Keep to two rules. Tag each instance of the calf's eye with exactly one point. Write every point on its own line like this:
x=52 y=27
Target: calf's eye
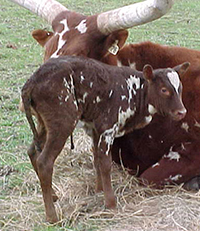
x=165 y=91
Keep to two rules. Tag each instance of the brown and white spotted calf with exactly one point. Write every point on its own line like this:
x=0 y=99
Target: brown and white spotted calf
x=110 y=101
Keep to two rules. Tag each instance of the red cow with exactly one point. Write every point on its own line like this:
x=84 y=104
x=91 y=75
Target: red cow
x=83 y=89
x=165 y=152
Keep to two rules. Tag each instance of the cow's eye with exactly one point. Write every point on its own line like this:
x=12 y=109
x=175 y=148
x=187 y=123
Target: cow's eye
x=165 y=91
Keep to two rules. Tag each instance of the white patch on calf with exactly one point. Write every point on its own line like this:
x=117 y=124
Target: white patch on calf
x=110 y=94
x=82 y=28
x=151 y=109
x=173 y=155
x=82 y=78
x=123 y=97
x=61 y=42
x=84 y=97
x=185 y=126
x=124 y=115
x=148 y=119
x=174 y=79
x=91 y=84
x=108 y=136
x=131 y=81
x=66 y=98
x=98 y=99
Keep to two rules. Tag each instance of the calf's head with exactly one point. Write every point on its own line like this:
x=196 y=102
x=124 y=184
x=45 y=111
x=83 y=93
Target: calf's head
x=165 y=90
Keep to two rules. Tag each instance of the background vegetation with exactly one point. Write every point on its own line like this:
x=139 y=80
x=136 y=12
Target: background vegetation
x=21 y=205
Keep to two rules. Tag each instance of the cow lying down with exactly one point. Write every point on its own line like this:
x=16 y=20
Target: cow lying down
x=111 y=101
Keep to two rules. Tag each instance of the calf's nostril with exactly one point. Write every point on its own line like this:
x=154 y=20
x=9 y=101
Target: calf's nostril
x=181 y=114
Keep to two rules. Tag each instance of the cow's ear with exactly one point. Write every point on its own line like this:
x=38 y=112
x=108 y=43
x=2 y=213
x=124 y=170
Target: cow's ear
x=115 y=41
x=182 y=68
x=148 y=72
x=42 y=36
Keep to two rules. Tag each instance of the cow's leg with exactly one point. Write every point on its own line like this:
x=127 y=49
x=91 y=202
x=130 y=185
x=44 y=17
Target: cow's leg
x=103 y=163
x=176 y=167
x=33 y=154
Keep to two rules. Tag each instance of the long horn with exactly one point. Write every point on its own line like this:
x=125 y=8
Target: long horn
x=132 y=15
x=47 y=9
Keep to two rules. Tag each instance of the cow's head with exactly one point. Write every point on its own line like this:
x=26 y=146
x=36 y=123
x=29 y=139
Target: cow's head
x=165 y=90
x=94 y=36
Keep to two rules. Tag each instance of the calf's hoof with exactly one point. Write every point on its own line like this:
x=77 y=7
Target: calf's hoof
x=111 y=204
x=52 y=219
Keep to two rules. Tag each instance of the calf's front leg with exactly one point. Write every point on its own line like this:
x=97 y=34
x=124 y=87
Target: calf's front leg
x=103 y=163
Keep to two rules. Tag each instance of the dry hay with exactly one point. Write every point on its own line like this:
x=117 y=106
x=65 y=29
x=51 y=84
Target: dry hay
x=139 y=208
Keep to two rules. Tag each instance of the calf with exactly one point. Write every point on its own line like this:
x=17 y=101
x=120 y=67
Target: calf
x=110 y=101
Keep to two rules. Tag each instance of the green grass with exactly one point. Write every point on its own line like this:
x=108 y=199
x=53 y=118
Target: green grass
x=179 y=27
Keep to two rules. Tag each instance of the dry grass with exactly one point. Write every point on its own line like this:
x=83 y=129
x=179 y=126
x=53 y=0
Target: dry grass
x=139 y=208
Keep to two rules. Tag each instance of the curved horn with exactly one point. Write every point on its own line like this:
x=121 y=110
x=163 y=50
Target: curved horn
x=132 y=15
x=47 y=9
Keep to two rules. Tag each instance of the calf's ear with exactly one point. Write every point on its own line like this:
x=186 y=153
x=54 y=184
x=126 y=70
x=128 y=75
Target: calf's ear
x=148 y=72
x=182 y=68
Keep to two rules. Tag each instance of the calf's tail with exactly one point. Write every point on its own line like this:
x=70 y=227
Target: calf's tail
x=26 y=99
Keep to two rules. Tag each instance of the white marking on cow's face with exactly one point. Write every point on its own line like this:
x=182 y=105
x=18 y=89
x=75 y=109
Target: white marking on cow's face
x=61 y=42
x=174 y=79
x=155 y=165
x=150 y=137
x=151 y=109
x=185 y=126
x=82 y=28
x=173 y=155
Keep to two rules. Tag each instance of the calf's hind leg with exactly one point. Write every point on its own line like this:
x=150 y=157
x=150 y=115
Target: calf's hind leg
x=45 y=161
x=34 y=153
